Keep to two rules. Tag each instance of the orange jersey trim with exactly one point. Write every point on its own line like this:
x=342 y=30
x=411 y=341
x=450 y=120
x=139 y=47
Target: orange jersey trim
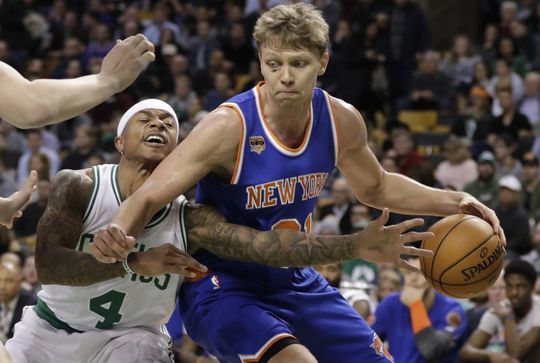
x=265 y=348
x=271 y=132
x=240 y=150
x=336 y=126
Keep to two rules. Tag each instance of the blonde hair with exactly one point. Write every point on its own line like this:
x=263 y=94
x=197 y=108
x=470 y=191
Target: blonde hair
x=293 y=26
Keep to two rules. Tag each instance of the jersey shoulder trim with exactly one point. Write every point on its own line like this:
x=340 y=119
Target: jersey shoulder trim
x=241 y=144
x=93 y=195
x=335 y=128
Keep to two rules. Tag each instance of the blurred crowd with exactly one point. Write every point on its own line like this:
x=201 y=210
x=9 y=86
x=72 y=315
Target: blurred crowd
x=462 y=118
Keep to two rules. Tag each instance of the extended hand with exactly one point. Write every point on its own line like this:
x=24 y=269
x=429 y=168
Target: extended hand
x=471 y=205
x=10 y=208
x=127 y=59
x=387 y=243
x=163 y=259
x=112 y=244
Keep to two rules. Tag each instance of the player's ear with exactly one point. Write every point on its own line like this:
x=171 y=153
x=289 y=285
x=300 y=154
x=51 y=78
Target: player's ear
x=324 y=63
x=119 y=144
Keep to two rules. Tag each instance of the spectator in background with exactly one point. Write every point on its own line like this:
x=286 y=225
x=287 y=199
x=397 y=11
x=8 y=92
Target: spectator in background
x=40 y=163
x=201 y=45
x=517 y=320
x=408 y=37
x=341 y=205
x=100 y=43
x=459 y=63
x=183 y=96
x=488 y=50
x=221 y=92
x=510 y=122
x=485 y=188
x=482 y=302
x=531 y=185
x=430 y=89
x=475 y=124
x=8 y=183
x=504 y=78
x=30 y=279
x=84 y=145
x=524 y=42
x=35 y=145
x=508 y=51
x=458 y=169
x=504 y=146
x=25 y=226
x=529 y=105
x=481 y=75
x=533 y=257
x=388 y=282
x=403 y=151
x=514 y=218
x=12 y=299
x=419 y=323
x=238 y=49
x=160 y=20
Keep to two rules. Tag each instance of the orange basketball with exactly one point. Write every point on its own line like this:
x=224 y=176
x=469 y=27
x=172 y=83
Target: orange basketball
x=467 y=256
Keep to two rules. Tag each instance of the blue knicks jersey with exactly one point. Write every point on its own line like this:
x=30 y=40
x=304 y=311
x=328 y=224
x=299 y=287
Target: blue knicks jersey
x=273 y=186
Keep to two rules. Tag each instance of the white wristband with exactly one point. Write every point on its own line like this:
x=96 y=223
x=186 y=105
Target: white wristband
x=126 y=267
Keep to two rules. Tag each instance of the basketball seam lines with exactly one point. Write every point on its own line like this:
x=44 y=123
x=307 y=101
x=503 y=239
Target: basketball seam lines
x=442 y=241
x=455 y=263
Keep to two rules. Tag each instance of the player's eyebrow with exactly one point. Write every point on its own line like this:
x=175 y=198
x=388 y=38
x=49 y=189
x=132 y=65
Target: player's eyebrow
x=163 y=115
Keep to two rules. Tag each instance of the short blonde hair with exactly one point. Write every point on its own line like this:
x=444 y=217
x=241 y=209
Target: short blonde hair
x=293 y=26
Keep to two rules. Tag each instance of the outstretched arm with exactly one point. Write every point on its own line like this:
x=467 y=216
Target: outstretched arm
x=374 y=186
x=208 y=229
x=37 y=103
x=59 y=229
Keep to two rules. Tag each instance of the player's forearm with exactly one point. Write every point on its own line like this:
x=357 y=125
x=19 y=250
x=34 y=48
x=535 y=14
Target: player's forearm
x=512 y=339
x=406 y=196
x=63 y=99
x=472 y=354
x=278 y=248
x=73 y=268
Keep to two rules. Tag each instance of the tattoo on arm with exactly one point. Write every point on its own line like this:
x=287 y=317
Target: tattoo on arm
x=58 y=232
x=208 y=229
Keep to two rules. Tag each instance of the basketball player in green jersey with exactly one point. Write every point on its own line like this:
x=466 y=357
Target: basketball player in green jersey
x=94 y=312
x=28 y=104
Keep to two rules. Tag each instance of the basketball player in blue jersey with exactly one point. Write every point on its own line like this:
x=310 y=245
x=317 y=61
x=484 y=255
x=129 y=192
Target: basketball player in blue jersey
x=261 y=159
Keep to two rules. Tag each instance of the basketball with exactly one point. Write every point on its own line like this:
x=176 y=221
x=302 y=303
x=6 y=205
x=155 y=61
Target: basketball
x=467 y=256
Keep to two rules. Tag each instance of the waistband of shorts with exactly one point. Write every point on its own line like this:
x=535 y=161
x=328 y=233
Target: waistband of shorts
x=45 y=313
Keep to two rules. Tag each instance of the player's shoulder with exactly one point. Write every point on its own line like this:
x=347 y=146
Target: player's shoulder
x=348 y=119
x=74 y=181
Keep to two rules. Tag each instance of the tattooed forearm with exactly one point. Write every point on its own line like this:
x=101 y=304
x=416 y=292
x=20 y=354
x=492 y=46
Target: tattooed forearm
x=58 y=232
x=274 y=248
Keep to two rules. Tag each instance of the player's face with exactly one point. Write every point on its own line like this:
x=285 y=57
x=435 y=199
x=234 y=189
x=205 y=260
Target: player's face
x=290 y=74
x=150 y=134
x=412 y=278
x=518 y=290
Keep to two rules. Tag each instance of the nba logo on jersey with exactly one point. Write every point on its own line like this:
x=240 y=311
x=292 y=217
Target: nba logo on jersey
x=257 y=144
x=215 y=282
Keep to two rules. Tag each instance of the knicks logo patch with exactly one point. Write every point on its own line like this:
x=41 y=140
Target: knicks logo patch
x=453 y=320
x=379 y=348
x=257 y=144
x=215 y=282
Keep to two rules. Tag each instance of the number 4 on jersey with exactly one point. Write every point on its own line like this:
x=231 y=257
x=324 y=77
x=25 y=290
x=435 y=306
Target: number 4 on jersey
x=108 y=306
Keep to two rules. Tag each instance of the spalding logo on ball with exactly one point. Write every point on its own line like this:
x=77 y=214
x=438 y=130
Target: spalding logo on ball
x=468 y=256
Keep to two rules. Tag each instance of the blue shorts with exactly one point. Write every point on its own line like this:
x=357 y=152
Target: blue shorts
x=243 y=324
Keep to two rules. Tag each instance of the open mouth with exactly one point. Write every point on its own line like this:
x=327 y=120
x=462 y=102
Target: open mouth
x=155 y=140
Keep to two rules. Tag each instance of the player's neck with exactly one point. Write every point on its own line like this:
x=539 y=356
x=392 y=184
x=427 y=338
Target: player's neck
x=287 y=121
x=131 y=176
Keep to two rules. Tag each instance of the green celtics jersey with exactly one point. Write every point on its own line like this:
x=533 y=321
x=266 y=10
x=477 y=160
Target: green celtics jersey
x=123 y=302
